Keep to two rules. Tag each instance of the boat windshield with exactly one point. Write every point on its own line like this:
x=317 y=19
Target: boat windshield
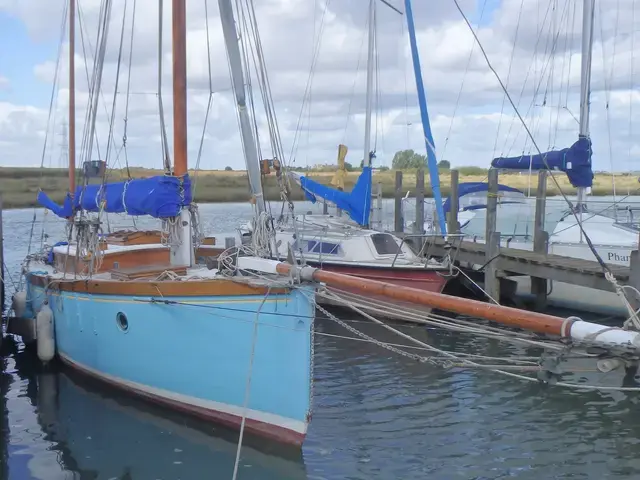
x=385 y=244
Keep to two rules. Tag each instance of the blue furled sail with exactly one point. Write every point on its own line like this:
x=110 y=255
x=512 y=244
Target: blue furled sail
x=160 y=197
x=575 y=161
x=507 y=194
x=356 y=203
x=432 y=161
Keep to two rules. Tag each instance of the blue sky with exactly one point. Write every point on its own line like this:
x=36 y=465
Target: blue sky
x=19 y=53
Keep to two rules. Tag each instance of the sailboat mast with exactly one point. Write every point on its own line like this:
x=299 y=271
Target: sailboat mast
x=432 y=161
x=182 y=251
x=179 y=32
x=237 y=77
x=588 y=11
x=72 y=96
x=367 y=121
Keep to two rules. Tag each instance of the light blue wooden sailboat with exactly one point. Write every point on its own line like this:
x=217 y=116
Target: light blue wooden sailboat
x=142 y=316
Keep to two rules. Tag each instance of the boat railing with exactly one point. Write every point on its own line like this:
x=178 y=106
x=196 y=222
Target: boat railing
x=422 y=237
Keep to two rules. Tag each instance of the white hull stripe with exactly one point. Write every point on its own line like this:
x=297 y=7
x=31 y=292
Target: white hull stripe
x=268 y=418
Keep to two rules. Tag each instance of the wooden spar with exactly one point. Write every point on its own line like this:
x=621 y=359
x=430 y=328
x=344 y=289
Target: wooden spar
x=533 y=321
x=72 y=96
x=179 y=21
x=571 y=327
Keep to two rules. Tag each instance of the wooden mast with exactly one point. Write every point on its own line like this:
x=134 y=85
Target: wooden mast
x=72 y=96
x=182 y=253
x=179 y=88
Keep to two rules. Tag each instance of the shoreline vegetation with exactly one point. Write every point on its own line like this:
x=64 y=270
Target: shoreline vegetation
x=19 y=186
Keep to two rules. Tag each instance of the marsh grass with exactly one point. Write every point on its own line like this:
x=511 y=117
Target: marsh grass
x=19 y=186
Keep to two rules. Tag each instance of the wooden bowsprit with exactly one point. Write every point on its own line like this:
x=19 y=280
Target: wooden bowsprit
x=571 y=327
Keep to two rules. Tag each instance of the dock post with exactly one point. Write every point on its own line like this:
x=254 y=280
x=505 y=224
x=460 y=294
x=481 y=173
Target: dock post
x=491 y=279
x=492 y=250
x=379 y=206
x=492 y=202
x=418 y=228
x=453 y=226
x=398 y=219
x=325 y=208
x=634 y=277
x=540 y=241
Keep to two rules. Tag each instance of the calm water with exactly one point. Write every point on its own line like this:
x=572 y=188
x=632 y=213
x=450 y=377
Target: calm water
x=376 y=415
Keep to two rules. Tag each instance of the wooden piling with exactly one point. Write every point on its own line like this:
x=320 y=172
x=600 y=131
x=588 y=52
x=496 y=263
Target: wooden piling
x=398 y=219
x=380 y=218
x=325 y=208
x=540 y=241
x=634 y=277
x=419 y=225
x=491 y=280
x=492 y=202
x=418 y=228
x=453 y=226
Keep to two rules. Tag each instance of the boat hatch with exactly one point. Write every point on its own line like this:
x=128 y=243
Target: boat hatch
x=385 y=244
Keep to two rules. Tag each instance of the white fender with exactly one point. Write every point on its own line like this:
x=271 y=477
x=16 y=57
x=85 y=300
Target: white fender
x=19 y=303
x=45 y=336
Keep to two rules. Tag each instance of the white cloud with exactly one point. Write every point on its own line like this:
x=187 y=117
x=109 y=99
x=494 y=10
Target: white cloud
x=534 y=46
x=5 y=84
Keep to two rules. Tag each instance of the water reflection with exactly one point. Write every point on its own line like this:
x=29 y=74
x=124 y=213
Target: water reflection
x=76 y=427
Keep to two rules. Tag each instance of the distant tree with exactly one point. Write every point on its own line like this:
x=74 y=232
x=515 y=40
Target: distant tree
x=384 y=168
x=348 y=167
x=228 y=169
x=408 y=159
x=444 y=165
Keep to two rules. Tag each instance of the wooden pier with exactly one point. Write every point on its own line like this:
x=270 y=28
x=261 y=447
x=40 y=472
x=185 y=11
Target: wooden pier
x=498 y=261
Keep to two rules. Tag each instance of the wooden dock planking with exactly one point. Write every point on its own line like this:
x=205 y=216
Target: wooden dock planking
x=514 y=261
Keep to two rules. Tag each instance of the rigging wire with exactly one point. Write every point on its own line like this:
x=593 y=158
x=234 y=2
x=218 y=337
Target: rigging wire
x=355 y=80
x=209 y=101
x=126 y=108
x=532 y=63
x=607 y=89
x=86 y=55
x=103 y=31
x=166 y=157
x=464 y=76
x=631 y=70
x=603 y=265
x=110 y=139
x=54 y=91
x=314 y=61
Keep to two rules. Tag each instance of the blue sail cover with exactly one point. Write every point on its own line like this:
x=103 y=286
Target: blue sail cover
x=160 y=197
x=356 y=203
x=575 y=161
x=467 y=188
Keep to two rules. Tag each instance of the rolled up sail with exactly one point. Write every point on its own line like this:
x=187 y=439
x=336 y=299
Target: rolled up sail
x=159 y=197
x=356 y=203
x=575 y=161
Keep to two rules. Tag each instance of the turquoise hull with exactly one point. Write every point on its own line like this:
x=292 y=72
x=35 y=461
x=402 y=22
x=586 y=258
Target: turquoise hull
x=196 y=356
